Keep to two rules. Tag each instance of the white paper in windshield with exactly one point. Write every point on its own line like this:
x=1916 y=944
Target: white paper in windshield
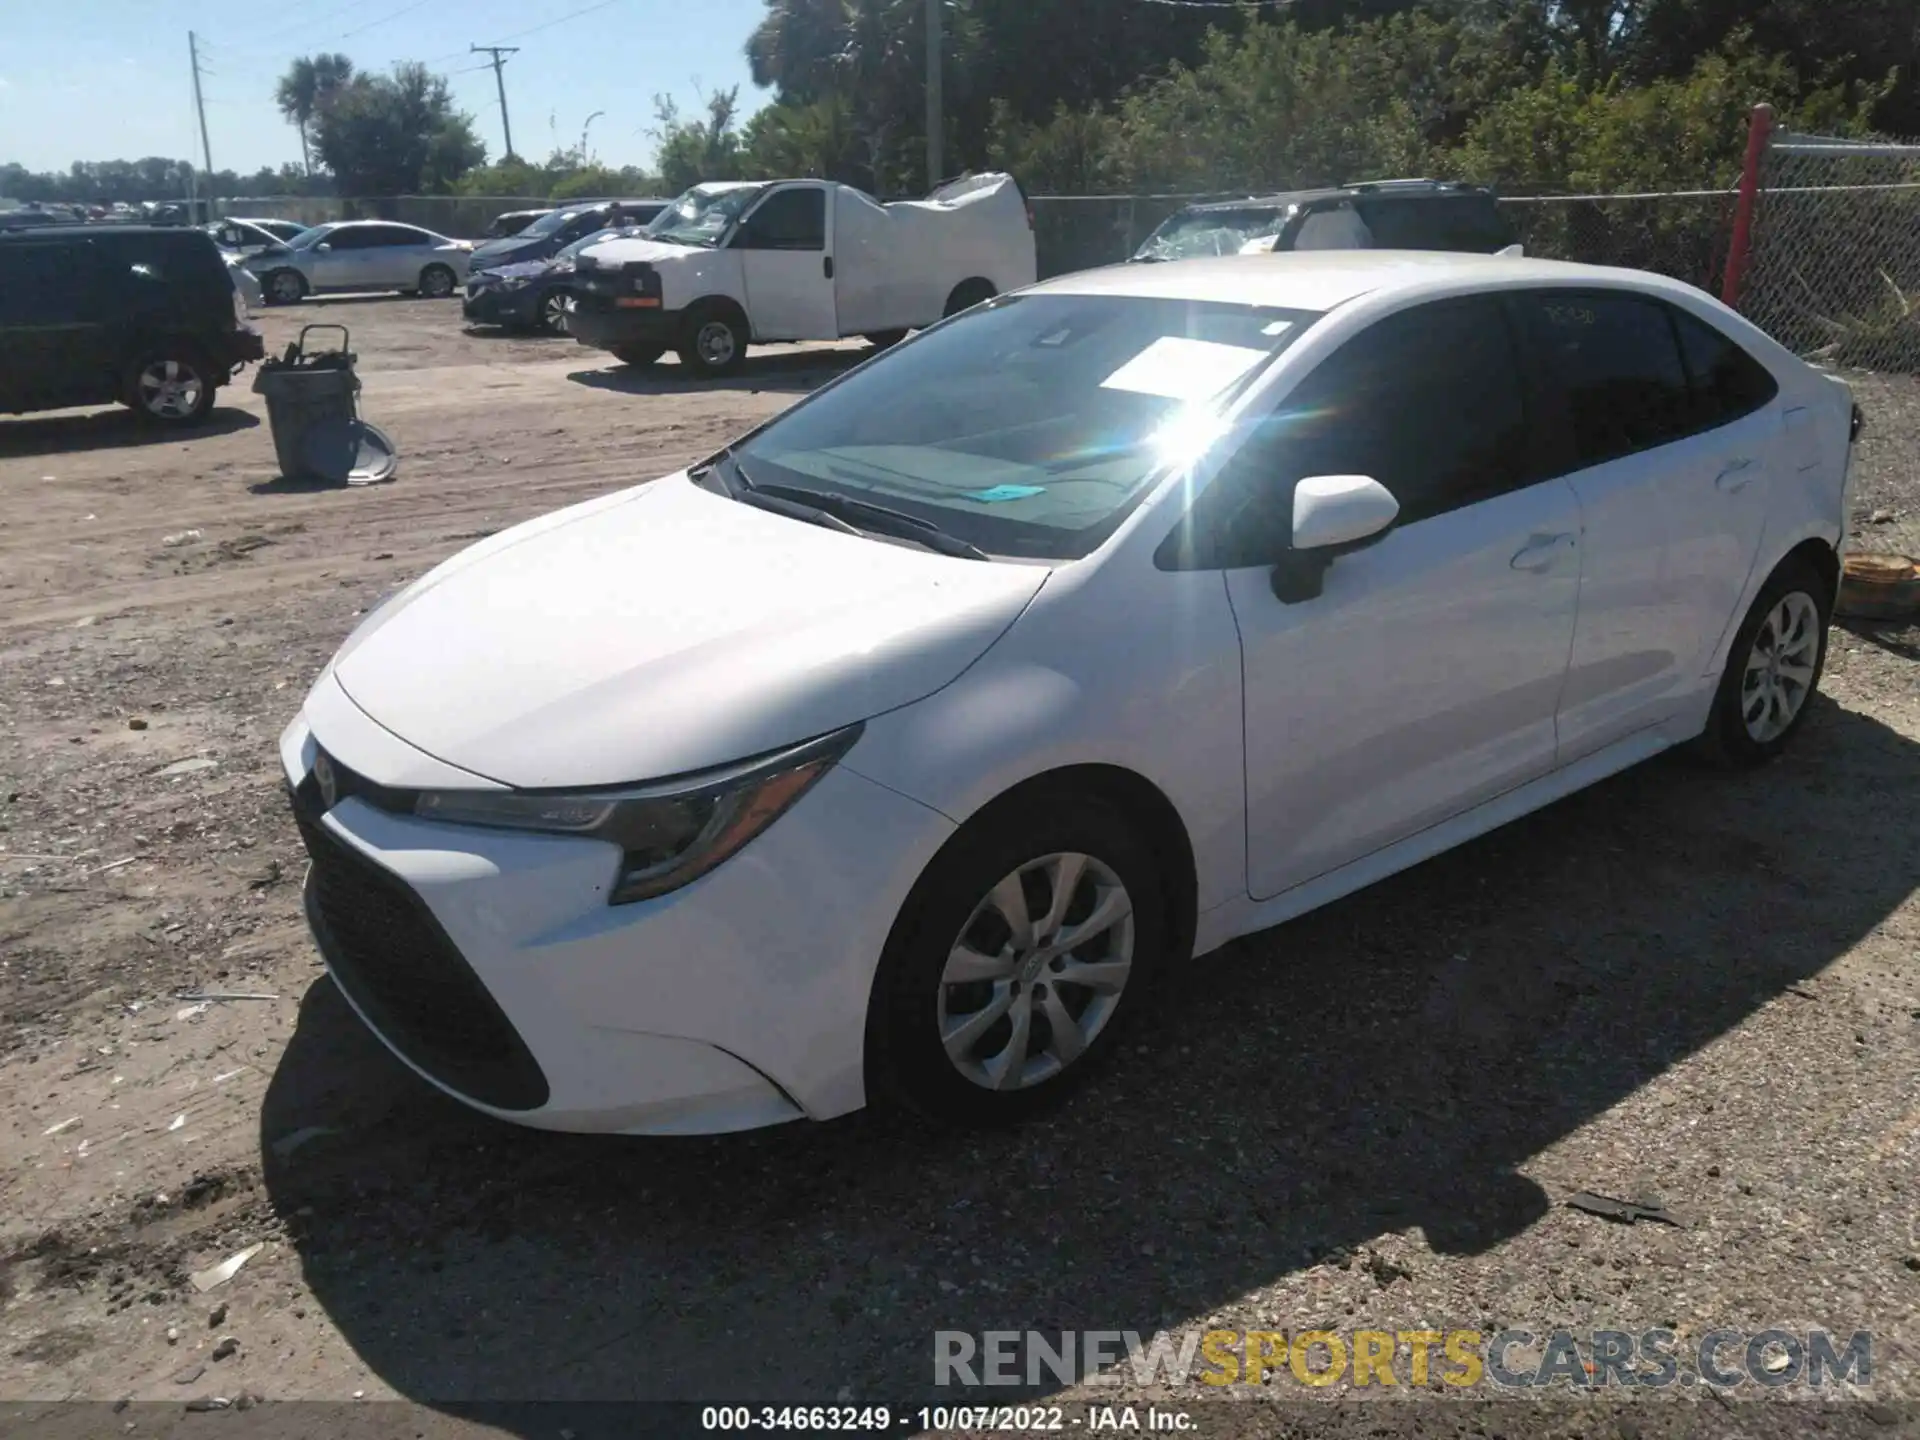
x=1182 y=369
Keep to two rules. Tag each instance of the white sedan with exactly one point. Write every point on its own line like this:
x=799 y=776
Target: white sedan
x=362 y=255
x=894 y=752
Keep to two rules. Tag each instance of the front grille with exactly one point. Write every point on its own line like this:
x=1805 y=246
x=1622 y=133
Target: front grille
x=388 y=953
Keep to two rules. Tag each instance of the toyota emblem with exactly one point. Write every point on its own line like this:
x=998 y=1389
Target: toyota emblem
x=329 y=783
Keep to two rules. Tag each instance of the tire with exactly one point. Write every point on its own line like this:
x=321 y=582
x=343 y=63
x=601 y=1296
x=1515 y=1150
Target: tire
x=1773 y=668
x=714 y=342
x=284 y=287
x=638 y=356
x=969 y=293
x=437 y=282
x=885 y=339
x=551 y=310
x=171 y=386
x=917 y=997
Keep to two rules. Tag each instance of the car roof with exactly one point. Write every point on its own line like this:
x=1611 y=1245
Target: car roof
x=1322 y=280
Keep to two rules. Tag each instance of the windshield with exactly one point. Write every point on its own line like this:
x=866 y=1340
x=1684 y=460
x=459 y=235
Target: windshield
x=550 y=223
x=701 y=216
x=1029 y=428
x=1194 y=233
x=307 y=239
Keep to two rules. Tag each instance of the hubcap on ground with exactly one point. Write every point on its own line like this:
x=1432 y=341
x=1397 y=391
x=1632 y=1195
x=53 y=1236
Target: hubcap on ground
x=715 y=343
x=170 y=389
x=1779 y=674
x=1036 y=972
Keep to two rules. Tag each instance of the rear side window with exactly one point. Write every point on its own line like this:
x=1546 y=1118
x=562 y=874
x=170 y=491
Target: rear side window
x=1617 y=364
x=1450 y=222
x=45 y=284
x=1728 y=383
x=1430 y=402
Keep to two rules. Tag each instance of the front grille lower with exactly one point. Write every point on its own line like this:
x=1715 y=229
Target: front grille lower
x=390 y=955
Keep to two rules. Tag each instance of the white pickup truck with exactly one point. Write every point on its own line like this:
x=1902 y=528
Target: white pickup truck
x=728 y=265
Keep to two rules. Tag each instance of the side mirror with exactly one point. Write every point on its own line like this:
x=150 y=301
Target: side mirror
x=1332 y=516
x=324 y=245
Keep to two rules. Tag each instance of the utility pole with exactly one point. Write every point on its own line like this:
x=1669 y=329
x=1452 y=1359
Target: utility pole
x=936 y=107
x=200 y=108
x=498 y=54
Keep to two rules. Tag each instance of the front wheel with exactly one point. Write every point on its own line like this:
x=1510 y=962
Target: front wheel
x=1031 y=938
x=437 y=282
x=171 y=387
x=715 y=344
x=1773 y=668
x=285 y=287
x=553 y=309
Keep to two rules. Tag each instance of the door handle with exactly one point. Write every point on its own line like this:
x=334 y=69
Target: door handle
x=1543 y=550
x=1734 y=477
x=826 y=267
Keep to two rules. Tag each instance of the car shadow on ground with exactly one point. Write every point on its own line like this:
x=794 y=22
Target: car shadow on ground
x=109 y=430
x=1385 y=1063
x=797 y=371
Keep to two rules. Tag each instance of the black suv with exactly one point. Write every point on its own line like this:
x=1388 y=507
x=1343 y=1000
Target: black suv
x=91 y=314
x=1377 y=214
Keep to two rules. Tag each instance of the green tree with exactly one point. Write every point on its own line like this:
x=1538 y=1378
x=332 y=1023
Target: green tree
x=396 y=134
x=305 y=87
x=707 y=148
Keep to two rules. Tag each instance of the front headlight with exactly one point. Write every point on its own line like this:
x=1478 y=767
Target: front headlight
x=515 y=282
x=669 y=834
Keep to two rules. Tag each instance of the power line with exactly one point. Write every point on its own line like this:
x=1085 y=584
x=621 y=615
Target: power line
x=391 y=15
x=560 y=19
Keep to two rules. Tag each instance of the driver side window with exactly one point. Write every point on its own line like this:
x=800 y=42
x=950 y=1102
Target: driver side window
x=788 y=220
x=1430 y=402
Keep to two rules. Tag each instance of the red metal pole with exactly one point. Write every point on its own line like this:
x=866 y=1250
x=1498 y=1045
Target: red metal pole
x=1759 y=132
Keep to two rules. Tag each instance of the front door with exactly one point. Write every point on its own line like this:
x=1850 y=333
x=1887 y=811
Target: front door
x=787 y=258
x=1423 y=679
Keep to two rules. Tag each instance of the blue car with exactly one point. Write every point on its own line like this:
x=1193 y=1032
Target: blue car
x=557 y=229
x=531 y=294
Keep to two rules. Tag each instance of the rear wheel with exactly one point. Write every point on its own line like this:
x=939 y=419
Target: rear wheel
x=885 y=339
x=1033 y=935
x=171 y=387
x=638 y=355
x=1773 y=668
x=437 y=282
x=969 y=293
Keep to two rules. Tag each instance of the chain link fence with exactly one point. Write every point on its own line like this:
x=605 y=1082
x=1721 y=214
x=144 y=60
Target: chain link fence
x=1835 y=265
x=1684 y=234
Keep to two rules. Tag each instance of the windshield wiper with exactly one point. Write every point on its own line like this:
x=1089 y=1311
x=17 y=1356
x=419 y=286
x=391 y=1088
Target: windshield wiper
x=743 y=489
x=878 y=518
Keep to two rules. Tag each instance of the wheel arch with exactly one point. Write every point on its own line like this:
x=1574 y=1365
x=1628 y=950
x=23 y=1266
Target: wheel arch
x=972 y=282
x=717 y=302
x=1821 y=555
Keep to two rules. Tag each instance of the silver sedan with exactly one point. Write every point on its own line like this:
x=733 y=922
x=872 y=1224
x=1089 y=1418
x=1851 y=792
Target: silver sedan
x=363 y=255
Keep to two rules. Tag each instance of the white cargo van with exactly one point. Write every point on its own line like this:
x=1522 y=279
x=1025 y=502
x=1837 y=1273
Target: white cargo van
x=728 y=265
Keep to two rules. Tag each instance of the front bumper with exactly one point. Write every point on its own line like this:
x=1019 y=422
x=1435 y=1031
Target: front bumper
x=490 y=962
x=594 y=321
x=495 y=305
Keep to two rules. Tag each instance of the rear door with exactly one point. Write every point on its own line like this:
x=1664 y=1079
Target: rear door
x=56 y=336
x=397 y=256
x=1672 y=504
x=787 y=261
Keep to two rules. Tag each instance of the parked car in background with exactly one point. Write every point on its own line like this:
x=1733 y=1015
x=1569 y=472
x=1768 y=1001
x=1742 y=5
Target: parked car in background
x=31 y=217
x=733 y=264
x=362 y=255
x=1055 y=648
x=282 y=230
x=1379 y=214
x=532 y=295
x=557 y=229
x=245 y=282
x=513 y=222
x=92 y=314
x=248 y=237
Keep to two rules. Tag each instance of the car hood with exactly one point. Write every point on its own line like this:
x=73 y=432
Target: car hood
x=612 y=253
x=663 y=630
x=528 y=268
x=495 y=253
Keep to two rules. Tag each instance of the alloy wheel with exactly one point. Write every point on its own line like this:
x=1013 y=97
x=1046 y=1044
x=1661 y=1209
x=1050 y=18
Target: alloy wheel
x=1780 y=667
x=287 y=287
x=554 y=310
x=170 y=389
x=1037 y=972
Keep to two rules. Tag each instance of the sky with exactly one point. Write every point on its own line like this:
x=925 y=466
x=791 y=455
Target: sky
x=111 y=79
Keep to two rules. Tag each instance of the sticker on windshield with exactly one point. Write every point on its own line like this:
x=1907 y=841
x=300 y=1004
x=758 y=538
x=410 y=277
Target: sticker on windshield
x=1007 y=492
x=1182 y=369
x=1277 y=328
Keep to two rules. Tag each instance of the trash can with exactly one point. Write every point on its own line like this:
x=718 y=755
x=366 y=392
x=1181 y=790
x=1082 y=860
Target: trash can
x=305 y=391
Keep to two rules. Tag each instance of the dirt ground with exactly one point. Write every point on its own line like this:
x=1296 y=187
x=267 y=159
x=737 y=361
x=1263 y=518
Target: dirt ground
x=1682 y=984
